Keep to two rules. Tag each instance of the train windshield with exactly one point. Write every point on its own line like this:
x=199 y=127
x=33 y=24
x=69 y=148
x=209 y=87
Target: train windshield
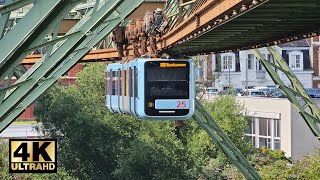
x=166 y=80
x=168 y=74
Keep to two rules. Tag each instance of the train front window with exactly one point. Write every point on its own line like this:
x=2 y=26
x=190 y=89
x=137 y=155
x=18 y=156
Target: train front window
x=167 y=74
x=170 y=81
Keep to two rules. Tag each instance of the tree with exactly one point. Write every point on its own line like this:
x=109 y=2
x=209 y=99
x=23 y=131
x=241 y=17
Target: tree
x=89 y=142
x=95 y=143
x=157 y=153
x=306 y=168
x=230 y=116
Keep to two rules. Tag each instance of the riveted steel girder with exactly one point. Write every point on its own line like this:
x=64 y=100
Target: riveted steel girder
x=203 y=118
x=64 y=56
x=296 y=93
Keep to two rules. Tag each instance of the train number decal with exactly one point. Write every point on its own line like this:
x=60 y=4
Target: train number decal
x=181 y=104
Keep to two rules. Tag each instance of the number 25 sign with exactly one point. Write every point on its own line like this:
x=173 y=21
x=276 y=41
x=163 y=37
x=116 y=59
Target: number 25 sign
x=181 y=104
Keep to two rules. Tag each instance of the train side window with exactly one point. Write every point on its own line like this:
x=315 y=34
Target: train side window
x=125 y=84
x=107 y=83
x=113 y=79
x=117 y=83
x=110 y=83
x=130 y=82
x=135 y=82
x=120 y=81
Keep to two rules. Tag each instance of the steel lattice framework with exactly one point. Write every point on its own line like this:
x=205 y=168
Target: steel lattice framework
x=63 y=53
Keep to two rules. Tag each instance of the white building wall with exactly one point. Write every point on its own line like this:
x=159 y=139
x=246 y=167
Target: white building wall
x=305 y=77
x=262 y=107
x=297 y=140
x=303 y=140
x=251 y=76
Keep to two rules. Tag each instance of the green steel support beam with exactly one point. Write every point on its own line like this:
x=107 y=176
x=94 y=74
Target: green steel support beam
x=176 y=12
x=7 y=88
x=54 y=37
x=6 y=85
x=19 y=34
x=11 y=6
x=63 y=49
x=4 y=21
x=54 y=41
x=203 y=118
x=52 y=69
x=296 y=93
x=12 y=57
x=20 y=69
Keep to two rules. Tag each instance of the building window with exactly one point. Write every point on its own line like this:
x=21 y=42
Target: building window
x=264 y=132
x=259 y=66
x=296 y=60
x=250 y=63
x=228 y=62
x=268 y=57
x=251 y=132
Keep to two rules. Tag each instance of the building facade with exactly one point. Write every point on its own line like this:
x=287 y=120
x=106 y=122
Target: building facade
x=242 y=69
x=276 y=124
x=316 y=61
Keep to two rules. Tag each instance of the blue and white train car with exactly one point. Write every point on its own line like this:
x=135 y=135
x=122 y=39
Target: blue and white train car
x=151 y=88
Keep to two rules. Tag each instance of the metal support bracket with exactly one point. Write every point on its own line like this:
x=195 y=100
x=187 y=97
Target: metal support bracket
x=296 y=93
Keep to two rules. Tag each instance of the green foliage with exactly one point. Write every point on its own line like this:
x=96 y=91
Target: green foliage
x=276 y=170
x=229 y=114
x=96 y=144
x=306 y=168
x=263 y=156
x=77 y=116
x=207 y=157
x=4 y=169
x=157 y=153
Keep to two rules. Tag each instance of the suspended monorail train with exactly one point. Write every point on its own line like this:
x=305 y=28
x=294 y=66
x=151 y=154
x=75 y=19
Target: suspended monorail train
x=151 y=88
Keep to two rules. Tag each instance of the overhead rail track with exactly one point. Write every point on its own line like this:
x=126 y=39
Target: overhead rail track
x=232 y=25
x=223 y=26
